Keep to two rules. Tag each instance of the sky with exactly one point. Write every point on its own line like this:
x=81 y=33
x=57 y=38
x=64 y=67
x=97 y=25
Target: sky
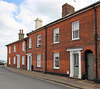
x=20 y=14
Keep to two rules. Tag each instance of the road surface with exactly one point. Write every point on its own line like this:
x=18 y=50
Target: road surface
x=10 y=80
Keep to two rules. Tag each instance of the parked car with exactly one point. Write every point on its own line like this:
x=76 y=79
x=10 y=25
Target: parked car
x=1 y=63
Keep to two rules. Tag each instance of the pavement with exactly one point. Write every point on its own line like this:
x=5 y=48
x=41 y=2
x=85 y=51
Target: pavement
x=75 y=83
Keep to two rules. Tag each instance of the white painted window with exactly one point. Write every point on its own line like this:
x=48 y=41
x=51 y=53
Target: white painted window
x=56 y=60
x=14 y=48
x=23 y=46
x=23 y=60
x=14 y=60
x=9 y=61
x=75 y=30
x=38 y=40
x=9 y=49
x=38 y=60
x=56 y=35
x=29 y=42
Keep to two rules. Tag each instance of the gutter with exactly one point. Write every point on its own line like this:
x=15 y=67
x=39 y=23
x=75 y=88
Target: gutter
x=45 y=49
x=96 y=43
x=26 y=53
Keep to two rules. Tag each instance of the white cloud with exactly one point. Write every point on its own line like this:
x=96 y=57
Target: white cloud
x=13 y=17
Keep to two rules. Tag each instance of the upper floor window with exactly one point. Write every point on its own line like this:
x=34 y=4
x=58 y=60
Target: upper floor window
x=56 y=60
x=23 y=46
x=14 y=48
x=29 y=42
x=56 y=35
x=9 y=49
x=75 y=30
x=38 y=40
x=14 y=60
x=23 y=60
x=38 y=60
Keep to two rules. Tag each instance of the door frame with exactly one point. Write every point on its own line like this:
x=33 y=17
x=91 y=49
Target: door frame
x=29 y=55
x=73 y=51
x=18 y=62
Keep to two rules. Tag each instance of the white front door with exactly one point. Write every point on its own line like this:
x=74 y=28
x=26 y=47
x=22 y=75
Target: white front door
x=18 y=61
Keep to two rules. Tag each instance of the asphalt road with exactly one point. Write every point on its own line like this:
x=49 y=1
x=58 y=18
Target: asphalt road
x=10 y=80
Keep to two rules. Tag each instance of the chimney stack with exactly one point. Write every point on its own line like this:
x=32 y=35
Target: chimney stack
x=38 y=23
x=21 y=34
x=67 y=9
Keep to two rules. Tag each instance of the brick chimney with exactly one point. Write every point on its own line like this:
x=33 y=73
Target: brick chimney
x=67 y=9
x=38 y=23
x=21 y=34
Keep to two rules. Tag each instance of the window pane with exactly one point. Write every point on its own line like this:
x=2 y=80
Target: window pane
x=56 y=35
x=38 y=40
x=56 y=60
x=75 y=29
x=76 y=34
x=38 y=60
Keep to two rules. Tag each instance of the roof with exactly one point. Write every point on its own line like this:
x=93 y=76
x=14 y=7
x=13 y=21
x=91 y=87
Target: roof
x=16 y=41
x=61 y=19
x=68 y=16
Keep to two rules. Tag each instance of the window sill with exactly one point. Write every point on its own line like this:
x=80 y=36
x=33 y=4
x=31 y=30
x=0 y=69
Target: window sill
x=38 y=67
x=55 y=43
x=24 y=51
x=75 y=39
x=56 y=68
x=38 y=46
x=29 y=48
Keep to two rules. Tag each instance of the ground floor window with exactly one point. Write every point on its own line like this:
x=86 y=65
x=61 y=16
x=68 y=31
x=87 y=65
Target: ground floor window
x=38 y=60
x=14 y=60
x=9 y=61
x=56 y=60
x=23 y=60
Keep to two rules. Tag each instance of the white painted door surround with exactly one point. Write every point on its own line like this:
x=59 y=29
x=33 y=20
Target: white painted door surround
x=29 y=61
x=18 y=60
x=72 y=69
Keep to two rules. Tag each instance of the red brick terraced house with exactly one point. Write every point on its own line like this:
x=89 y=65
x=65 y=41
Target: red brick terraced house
x=68 y=46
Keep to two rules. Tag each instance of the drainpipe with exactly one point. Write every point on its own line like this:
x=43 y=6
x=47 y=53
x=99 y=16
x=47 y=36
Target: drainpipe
x=96 y=45
x=26 y=53
x=45 y=49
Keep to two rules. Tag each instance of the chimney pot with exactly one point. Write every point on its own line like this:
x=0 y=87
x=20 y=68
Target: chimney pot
x=20 y=30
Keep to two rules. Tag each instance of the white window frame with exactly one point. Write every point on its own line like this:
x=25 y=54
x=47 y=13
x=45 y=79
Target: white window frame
x=56 y=54
x=14 y=60
x=30 y=43
x=23 y=60
x=38 y=60
x=39 y=40
x=75 y=29
x=23 y=46
x=14 y=48
x=9 y=49
x=9 y=61
x=56 y=31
